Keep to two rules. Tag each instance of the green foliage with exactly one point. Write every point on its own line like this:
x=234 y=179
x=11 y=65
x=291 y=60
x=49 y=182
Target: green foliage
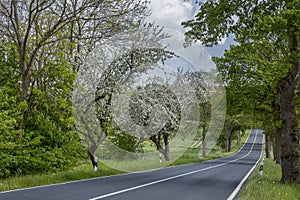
x=261 y=59
x=49 y=142
x=124 y=141
x=262 y=71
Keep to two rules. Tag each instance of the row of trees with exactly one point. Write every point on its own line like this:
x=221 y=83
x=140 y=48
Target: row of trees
x=156 y=110
x=44 y=75
x=260 y=72
x=43 y=44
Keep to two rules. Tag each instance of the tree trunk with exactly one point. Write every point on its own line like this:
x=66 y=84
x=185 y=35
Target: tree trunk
x=204 y=141
x=289 y=140
x=273 y=144
x=268 y=145
x=167 y=147
x=157 y=141
x=238 y=134
x=94 y=161
x=228 y=141
x=95 y=145
x=278 y=133
x=165 y=152
x=167 y=155
x=290 y=137
x=91 y=151
x=24 y=94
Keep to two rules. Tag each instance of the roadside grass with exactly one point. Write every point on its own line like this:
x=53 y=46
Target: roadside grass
x=268 y=186
x=85 y=170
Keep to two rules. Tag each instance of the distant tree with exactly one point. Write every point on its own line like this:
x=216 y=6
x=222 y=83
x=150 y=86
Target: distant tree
x=167 y=113
x=204 y=85
x=137 y=51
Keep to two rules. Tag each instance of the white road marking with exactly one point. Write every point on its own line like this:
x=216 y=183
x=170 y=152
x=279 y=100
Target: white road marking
x=173 y=177
x=237 y=189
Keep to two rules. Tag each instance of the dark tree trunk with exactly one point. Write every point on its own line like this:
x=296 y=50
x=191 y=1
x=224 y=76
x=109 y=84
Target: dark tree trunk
x=91 y=151
x=278 y=133
x=94 y=160
x=156 y=139
x=268 y=145
x=238 y=134
x=290 y=138
x=228 y=141
x=167 y=147
x=204 y=141
x=24 y=88
x=95 y=145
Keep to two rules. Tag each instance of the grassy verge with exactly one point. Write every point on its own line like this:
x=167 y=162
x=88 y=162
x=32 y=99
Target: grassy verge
x=85 y=170
x=268 y=185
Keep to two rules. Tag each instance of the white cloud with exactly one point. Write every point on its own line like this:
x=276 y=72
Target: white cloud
x=170 y=14
x=194 y=54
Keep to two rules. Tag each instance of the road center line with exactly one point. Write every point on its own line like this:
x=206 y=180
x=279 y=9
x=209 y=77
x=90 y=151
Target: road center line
x=173 y=177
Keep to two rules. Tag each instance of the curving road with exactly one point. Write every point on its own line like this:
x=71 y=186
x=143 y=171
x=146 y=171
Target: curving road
x=216 y=179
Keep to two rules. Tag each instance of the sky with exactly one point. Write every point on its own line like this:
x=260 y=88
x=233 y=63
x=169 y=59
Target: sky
x=170 y=14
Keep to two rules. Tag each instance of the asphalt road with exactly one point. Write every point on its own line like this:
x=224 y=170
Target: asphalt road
x=216 y=179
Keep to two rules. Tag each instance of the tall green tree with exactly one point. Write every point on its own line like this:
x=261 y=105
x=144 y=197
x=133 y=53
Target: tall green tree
x=252 y=79
x=258 y=21
x=47 y=40
x=33 y=25
x=49 y=142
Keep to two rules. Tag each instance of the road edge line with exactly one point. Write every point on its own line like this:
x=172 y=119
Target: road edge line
x=238 y=188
